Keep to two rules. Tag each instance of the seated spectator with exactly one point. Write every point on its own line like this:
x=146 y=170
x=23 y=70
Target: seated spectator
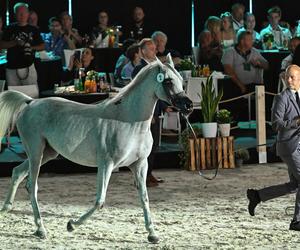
x=139 y=28
x=227 y=31
x=294 y=42
x=148 y=54
x=281 y=35
x=210 y=44
x=244 y=64
x=33 y=19
x=99 y=32
x=86 y=61
x=67 y=26
x=134 y=55
x=296 y=57
x=249 y=25
x=122 y=60
x=56 y=41
x=237 y=12
x=289 y=60
x=160 y=39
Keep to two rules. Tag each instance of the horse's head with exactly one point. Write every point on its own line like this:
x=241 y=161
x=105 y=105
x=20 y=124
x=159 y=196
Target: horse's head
x=170 y=87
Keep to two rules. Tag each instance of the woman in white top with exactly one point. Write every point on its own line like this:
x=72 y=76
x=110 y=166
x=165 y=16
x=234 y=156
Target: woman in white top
x=227 y=32
x=249 y=25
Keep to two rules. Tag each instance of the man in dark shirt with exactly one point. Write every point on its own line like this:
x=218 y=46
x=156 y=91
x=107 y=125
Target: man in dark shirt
x=139 y=28
x=21 y=41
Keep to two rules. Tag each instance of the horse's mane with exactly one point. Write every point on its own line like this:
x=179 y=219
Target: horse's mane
x=137 y=79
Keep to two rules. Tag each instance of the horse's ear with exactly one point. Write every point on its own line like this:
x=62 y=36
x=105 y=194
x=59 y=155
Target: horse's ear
x=170 y=60
x=159 y=62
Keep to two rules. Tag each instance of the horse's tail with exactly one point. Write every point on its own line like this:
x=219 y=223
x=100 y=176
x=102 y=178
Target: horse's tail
x=11 y=104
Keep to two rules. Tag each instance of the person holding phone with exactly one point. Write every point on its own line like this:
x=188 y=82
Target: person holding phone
x=79 y=60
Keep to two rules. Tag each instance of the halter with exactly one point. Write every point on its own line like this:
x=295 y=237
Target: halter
x=173 y=98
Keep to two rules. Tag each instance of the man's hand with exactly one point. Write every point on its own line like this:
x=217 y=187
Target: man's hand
x=168 y=109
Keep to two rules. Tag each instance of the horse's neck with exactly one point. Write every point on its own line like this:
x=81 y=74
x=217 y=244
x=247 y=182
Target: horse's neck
x=140 y=102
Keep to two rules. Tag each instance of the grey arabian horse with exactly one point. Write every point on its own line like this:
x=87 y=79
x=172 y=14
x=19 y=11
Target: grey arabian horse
x=108 y=135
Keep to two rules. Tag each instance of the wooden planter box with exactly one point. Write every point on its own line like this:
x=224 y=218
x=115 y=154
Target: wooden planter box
x=212 y=151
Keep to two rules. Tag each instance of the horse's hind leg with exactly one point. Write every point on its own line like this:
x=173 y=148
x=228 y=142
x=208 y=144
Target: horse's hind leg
x=140 y=172
x=103 y=176
x=18 y=175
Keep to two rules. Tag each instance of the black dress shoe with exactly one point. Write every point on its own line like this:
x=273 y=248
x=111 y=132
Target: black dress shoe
x=295 y=225
x=254 y=199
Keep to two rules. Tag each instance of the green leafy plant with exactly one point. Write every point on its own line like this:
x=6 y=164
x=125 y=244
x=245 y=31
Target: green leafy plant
x=210 y=100
x=223 y=116
x=242 y=154
x=186 y=64
x=184 y=142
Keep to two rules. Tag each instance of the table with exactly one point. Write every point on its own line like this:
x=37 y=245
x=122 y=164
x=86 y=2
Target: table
x=105 y=59
x=49 y=72
x=76 y=97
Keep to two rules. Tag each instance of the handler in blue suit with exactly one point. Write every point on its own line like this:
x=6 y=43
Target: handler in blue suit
x=286 y=121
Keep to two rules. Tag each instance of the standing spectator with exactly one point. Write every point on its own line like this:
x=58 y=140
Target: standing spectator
x=249 y=25
x=33 y=19
x=21 y=41
x=237 y=12
x=139 y=28
x=67 y=25
x=281 y=35
x=160 y=39
x=210 y=44
x=227 y=31
x=133 y=53
x=56 y=41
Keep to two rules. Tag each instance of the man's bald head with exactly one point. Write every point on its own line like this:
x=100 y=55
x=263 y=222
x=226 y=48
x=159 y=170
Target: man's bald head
x=292 y=77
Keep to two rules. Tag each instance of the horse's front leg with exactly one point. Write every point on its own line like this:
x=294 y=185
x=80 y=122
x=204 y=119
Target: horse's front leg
x=140 y=169
x=103 y=176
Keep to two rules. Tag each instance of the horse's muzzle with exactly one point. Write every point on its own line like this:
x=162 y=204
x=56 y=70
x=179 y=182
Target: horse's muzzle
x=183 y=104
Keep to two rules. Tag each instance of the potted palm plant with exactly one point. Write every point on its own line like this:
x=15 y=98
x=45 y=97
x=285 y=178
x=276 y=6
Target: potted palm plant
x=224 y=119
x=209 y=104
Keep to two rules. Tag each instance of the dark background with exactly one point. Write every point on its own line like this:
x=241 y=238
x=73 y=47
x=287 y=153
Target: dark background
x=172 y=17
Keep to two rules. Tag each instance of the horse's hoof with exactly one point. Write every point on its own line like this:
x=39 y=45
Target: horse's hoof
x=40 y=234
x=153 y=239
x=6 y=208
x=70 y=226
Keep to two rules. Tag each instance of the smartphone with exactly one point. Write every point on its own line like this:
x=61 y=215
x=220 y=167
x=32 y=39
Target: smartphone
x=77 y=55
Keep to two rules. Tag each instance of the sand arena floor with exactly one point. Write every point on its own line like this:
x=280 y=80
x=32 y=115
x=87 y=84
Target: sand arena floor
x=189 y=213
